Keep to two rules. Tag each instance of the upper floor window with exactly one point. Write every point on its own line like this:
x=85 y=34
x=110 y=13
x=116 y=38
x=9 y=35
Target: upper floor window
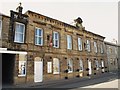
x=38 y=36
x=80 y=44
x=69 y=42
x=101 y=48
x=110 y=50
x=95 y=47
x=0 y=27
x=19 y=32
x=116 y=51
x=56 y=39
x=70 y=65
x=88 y=45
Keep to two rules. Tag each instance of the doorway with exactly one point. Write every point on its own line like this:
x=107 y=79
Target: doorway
x=8 y=63
x=38 y=71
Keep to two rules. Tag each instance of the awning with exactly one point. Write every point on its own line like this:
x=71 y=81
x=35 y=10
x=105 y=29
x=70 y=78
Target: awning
x=4 y=50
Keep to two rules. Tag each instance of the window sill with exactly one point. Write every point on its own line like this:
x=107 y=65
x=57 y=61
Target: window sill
x=21 y=75
x=56 y=47
x=38 y=45
x=18 y=42
x=81 y=71
x=56 y=73
x=70 y=72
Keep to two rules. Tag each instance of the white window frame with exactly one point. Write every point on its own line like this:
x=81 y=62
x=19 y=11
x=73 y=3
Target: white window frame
x=22 y=65
x=70 y=64
x=97 y=64
x=81 y=65
x=54 y=40
x=56 y=66
x=0 y=28
x=19 y=33
x=101 y=48
x=79 y=44
x=37 y=36
x=95 y=47
x=69 y=42
x=49 y=67
x=88 y=45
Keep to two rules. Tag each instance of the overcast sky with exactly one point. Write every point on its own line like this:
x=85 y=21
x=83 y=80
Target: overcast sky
x=98 y=17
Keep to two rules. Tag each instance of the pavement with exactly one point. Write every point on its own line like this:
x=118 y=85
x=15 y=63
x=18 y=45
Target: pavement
x=109 y=84
x=59 y=82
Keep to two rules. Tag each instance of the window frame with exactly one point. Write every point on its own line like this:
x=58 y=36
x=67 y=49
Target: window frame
x=54 y=40
x=81 y=65
x=80 y=44
x=0 y=28
x=58 y=63
x=101 y=48
x=21 y=63
x=88 y=45
x=95 y=47
x=49 y=67
x=19 y=33
x=97 y=64
x=69 y=42
x=70 y=64
x=37 y=36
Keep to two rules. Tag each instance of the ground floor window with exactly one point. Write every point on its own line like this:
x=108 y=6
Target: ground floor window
x=49 y=67
x=56 y=66
x=81 y=65
x=96 y=64
x=70 y=65
x=22 y=65
x=22 y=68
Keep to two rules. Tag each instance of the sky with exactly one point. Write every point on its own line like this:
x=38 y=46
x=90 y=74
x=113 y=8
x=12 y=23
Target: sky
x=99 y=16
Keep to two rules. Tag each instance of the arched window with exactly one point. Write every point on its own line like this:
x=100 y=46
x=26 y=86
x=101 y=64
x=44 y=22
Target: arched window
x=56 y=66
x=70 y=65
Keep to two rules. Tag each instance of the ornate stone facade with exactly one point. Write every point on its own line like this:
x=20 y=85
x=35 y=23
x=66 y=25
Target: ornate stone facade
x=58 y=50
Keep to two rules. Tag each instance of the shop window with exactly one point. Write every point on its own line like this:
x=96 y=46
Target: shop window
x=22 y=65
x=22 y=68
x=56 y=66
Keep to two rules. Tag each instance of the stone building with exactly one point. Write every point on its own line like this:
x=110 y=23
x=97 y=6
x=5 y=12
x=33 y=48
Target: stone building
x=36 y=48
x=112 y=56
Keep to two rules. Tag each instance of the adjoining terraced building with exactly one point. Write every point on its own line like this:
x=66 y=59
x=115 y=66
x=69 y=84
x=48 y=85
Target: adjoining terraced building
x=36 y=48
x=112 y=56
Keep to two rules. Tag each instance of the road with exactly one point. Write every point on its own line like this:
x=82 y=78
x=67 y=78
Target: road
x=107 y=80
x=92 y=82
